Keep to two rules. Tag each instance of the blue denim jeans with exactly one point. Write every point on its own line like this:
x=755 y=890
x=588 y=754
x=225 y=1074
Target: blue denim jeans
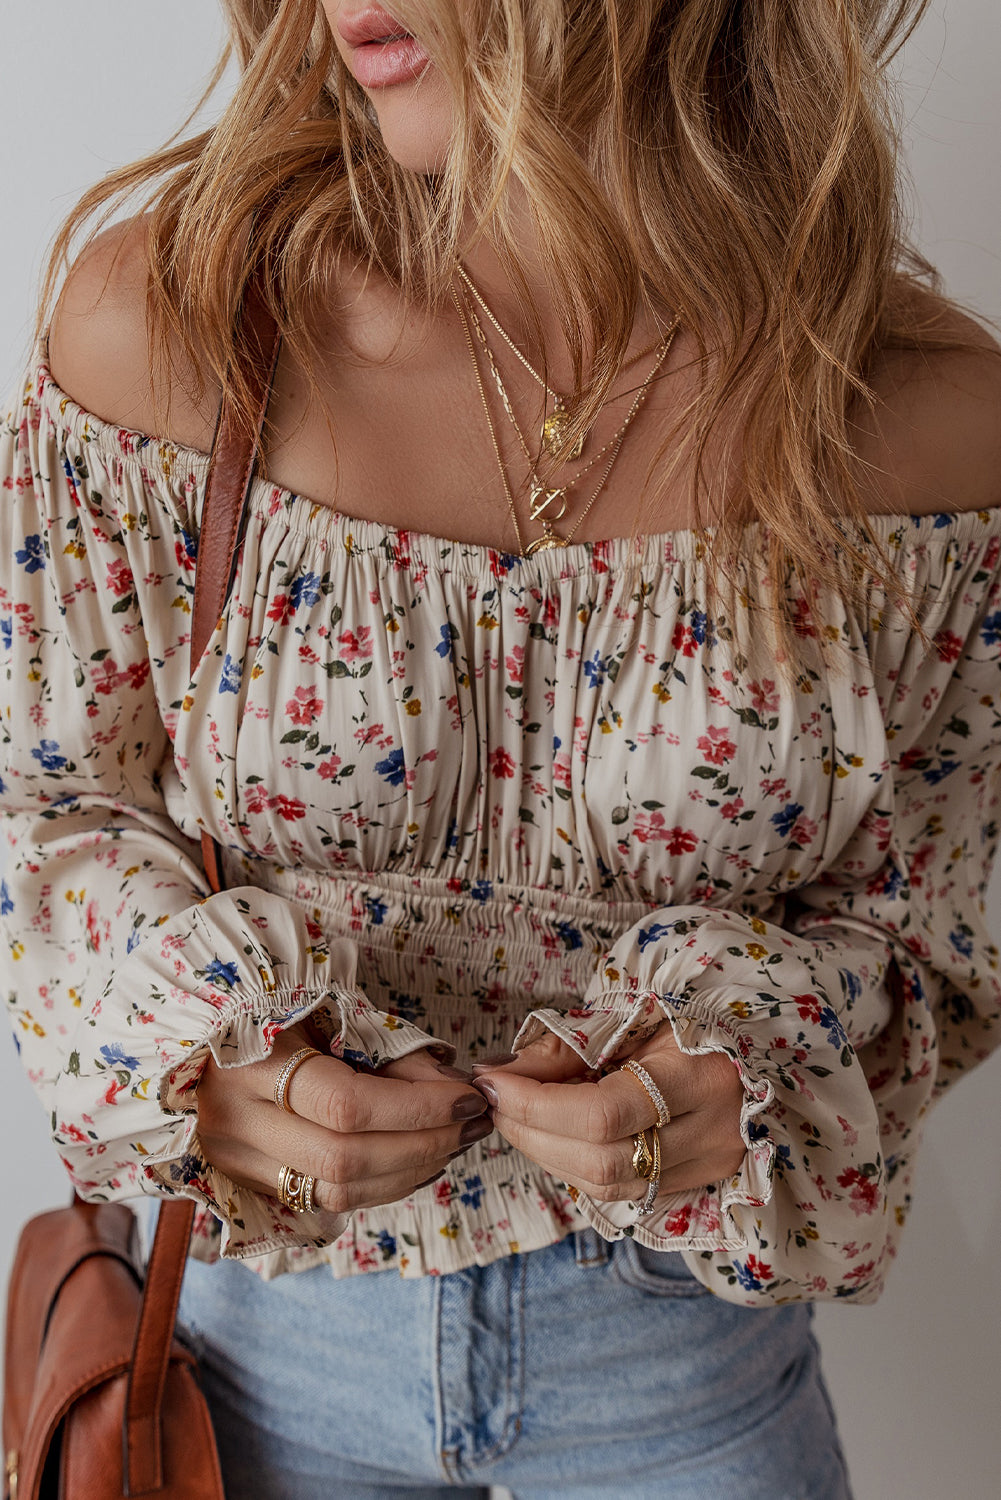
x=584 y=1369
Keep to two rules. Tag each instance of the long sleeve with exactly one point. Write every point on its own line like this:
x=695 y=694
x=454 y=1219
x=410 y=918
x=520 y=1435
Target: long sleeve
x=124 y=974
x=874 y=986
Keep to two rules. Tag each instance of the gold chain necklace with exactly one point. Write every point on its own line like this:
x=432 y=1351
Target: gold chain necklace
x=554 y=423
x=541 y=497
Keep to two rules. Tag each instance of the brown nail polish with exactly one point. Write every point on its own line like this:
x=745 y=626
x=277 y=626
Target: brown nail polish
x=488 y=1091
x=447 y=1071
x=475 y=1130
x=468 y=1107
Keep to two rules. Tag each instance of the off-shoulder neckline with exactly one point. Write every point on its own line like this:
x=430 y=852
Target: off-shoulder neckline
x=306 y=515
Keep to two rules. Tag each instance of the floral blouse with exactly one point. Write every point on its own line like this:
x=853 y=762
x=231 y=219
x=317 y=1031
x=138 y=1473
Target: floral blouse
x=465 y=796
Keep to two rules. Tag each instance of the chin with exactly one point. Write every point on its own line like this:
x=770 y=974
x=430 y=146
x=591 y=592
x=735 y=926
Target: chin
x=415 y=122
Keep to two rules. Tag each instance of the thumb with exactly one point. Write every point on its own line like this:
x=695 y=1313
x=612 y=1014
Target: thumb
x=547 y=1059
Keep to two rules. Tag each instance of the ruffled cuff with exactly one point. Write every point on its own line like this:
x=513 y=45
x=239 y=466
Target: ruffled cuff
x=773 y=1004
x=708 y=1218
x=222 y=979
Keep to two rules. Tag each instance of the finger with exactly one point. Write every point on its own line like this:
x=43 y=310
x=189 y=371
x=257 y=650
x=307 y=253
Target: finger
x=332 y=1094
x=547 y=1059
x=605 y=1168
x=602 y=1112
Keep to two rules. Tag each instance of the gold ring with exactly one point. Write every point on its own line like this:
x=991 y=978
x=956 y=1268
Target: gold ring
x=636 y=1070
x=653 y=1191
x=643 y=1158
x=295 y=1190
x=284 y=1078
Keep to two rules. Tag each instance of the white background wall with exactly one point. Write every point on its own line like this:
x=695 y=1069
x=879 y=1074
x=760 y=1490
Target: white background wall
x=915 y=1379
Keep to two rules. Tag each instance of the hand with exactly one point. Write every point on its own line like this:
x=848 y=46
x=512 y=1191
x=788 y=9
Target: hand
x=580 y=1128
x=367 y=1138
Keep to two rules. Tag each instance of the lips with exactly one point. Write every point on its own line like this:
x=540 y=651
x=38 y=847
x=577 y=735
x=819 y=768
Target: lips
x=382 y=52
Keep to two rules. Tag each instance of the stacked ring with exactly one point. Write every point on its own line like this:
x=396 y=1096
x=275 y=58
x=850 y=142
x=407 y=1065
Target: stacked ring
x=637 y=1071
x=284 y=1078
x=295 y=1190
x=643 y=1156
x=653 y=1191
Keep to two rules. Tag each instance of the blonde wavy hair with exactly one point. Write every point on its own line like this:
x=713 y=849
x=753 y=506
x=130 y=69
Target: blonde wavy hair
x=731 y=160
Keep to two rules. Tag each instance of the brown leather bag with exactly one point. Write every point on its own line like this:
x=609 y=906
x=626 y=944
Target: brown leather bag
x=101 y=1401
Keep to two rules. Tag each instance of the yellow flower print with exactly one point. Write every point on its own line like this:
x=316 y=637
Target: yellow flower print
x=450 y=1231
x=392 y=1023
x=756 y=950
x=256 y=671
x=757 y=926
x=661 y=693
x=740 y=1009
x=488 y=622
x=75 y=549
x=414 y=707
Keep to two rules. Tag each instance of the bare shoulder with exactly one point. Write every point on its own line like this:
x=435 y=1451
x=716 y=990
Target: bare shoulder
x=933 y=442
x=98 y=348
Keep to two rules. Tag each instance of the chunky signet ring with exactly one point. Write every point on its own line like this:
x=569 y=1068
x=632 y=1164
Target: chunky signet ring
x=295 y=1190
x=643 y=1158
x=285 y=1076
x=637 y=1071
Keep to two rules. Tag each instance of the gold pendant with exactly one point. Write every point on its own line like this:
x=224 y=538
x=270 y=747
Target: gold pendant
x=552 y=434
x=541 y=499
x=546 y=542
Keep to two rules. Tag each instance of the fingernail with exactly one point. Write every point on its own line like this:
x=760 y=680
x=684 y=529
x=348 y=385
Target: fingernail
x=447 y=1071
x=494 y=1060
x=468 y=1107
x=488 y=1091
x=475 y=1130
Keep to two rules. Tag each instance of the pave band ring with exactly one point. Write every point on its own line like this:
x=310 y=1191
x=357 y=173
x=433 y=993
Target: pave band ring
x=637 y=1071
x=295 y=1190
x=292 y=1064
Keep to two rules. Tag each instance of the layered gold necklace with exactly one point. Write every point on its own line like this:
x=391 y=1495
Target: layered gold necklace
x=547 y=503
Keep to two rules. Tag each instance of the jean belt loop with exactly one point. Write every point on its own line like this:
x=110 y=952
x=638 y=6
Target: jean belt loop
x=589 y=1248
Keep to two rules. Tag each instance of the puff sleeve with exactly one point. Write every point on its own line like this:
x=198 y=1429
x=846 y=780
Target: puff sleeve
x=124 y=973
x=868 y=991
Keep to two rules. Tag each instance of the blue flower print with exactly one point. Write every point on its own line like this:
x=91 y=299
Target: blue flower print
x=448 y=634
x=698 y=622
x=832 y=1025
x=220 y=973
x=115 y=1056
x=653 y=934
x=481 y=890
x=386 y=1244
x=49 y=756
x=938 y=773
x=596 y=670
x=232 y=671
x=32 y=555
x=990 y=631
x=6 y=904
x=961 y=939
x=305 y=590
x=135 y=938
x=6 y=631
x=785 y=819
x=473 y=1193
x=393 y=768
x=571 y=936
x=375 y=910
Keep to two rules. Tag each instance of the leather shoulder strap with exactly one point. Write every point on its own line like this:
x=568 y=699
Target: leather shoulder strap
x=231 y=468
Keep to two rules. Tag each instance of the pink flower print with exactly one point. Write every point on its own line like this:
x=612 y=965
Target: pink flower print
x=716 y=746
x=304 y=707
x=732 y=809
x=355 y=646
x=683 y=639
x=678 y=1222
x=804 y=831
x=119 y=577
x=948 y=645
x=282 y=609
x=257 y=799
x=764 y=698
x=501 y=763
x=107 y=678
x=808 y=1007
x=289 y=808
x=681 y=841
x=515 y=663
x=561 y=771
x=864 y=1195
x=329 y=768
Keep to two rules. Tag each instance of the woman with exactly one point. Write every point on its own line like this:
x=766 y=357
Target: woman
x=442 y=770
